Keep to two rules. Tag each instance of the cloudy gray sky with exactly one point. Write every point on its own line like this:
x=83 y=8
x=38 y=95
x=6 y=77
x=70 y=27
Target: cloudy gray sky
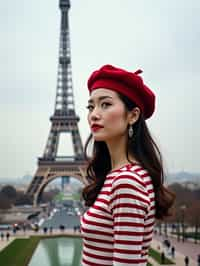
x=160 y=37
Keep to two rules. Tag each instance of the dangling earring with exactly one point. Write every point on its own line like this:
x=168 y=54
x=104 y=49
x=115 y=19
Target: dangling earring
x=130 y=131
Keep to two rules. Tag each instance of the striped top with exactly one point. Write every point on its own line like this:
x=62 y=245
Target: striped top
x=117 y=229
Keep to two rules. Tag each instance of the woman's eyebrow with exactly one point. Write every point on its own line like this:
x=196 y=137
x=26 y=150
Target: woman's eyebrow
x=99 y=98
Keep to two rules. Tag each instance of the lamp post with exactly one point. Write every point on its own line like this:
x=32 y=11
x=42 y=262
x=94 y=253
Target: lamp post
x=160 y=228
x=165 y=229
x=196 y=230
x=183 y=207
x=178 y=230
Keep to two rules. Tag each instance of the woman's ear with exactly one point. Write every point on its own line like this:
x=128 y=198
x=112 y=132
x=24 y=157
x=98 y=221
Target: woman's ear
x=133 y=115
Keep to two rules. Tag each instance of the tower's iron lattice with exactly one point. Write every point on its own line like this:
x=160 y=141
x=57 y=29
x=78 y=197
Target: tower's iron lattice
x=64 y=120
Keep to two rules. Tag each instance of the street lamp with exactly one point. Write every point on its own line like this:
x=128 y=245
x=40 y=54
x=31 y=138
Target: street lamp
x=165 y=229
x=183 y=207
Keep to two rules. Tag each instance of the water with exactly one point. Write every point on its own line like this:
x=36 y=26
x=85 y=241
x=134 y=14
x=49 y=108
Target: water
x=62 y=251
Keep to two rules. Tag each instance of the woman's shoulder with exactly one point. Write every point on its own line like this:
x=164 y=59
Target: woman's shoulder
x=133 y=174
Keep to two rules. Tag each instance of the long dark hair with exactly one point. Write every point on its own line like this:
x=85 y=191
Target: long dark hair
x=146 y=152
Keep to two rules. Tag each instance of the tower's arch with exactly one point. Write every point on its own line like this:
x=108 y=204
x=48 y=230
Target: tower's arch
x=38 y=195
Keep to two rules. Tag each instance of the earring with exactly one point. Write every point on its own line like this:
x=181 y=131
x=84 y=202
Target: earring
x=130 y=131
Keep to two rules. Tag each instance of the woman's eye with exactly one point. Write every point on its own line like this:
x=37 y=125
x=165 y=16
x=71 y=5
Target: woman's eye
x=105 y=105
x=90 y=108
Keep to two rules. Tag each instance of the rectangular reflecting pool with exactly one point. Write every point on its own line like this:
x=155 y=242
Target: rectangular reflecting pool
x=59 y=251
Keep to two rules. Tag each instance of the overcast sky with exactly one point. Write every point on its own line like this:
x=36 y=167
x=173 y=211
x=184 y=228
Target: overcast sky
x=160 y=37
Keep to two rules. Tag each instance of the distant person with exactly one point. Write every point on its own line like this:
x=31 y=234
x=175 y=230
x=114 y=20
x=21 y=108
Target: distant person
x=62 y=227
x=45 y=229
x=125 y=190
x=162 y=256
x=24 y=228
x=173 y=252
x=168 y=247
x=198 y=260
x=7 y=236
x=2 y=236
x=36 y=228
x=51 y=229
x=186 y=260
x=14 y=230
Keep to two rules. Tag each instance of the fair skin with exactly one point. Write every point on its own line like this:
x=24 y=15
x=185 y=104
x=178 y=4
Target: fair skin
x=109 y=121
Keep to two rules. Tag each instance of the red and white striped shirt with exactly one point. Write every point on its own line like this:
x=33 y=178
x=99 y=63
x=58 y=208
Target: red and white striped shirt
x=117 y=229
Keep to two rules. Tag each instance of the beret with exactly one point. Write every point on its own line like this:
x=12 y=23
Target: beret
x=127 y=83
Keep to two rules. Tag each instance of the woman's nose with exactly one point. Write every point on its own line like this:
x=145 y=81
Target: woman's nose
x=95 y=115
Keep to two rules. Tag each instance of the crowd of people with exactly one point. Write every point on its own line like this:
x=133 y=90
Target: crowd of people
x=170 y=250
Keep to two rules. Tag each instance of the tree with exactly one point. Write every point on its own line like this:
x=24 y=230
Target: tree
x=5 y=203
x=194 y=217
x=10 y=192
x=48 y=196
x=23 y=199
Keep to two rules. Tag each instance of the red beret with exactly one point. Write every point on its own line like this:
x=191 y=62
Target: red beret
x=127 y=83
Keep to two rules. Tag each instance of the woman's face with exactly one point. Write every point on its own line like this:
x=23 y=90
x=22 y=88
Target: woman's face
x=107 y=117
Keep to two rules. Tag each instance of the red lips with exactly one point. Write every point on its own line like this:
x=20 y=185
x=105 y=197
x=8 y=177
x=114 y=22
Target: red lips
x=96 y=127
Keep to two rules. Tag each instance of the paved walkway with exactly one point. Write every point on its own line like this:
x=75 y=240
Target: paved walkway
x=4 y=243
x=187 y=248
x=179 y=256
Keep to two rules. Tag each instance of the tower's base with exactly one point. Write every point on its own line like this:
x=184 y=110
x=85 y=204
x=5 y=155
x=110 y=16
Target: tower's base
x=49 y=170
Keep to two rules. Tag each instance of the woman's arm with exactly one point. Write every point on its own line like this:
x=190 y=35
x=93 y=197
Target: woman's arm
x=129 y=203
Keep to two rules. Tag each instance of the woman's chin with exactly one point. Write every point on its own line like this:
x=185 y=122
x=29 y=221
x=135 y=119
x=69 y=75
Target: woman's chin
x=98 y=138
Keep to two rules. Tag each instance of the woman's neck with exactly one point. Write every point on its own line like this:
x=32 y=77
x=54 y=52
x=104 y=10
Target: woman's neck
x=118 y=154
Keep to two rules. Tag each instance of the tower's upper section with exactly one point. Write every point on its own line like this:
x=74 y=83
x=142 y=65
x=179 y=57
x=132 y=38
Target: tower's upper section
x=64 y=104
x=64 y=4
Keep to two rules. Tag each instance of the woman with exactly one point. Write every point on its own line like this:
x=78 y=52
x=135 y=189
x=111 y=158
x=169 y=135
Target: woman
x=125 y=192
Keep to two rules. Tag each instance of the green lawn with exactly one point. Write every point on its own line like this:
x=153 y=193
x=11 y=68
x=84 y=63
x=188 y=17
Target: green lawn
x=157 y=257
x=61 y=197
x=19 y=252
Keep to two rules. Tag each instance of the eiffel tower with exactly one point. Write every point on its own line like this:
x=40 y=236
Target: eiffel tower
x=64 y=120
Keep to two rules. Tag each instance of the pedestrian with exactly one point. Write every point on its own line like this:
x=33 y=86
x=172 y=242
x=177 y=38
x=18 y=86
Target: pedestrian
x=125 y=191
x=36 y=228
x=51 y=229
x=24 y=228
x=162 y=255
x=7 y=236
x=2 y=236
x=198 y=260
x=173 y=252
x=45 y=229
x=62 y=227
x=14 y=230
x=168 y=247
x=186 y=260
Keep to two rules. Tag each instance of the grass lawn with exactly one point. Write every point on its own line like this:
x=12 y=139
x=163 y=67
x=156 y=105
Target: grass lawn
x=157 y=257
x=19 y=252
